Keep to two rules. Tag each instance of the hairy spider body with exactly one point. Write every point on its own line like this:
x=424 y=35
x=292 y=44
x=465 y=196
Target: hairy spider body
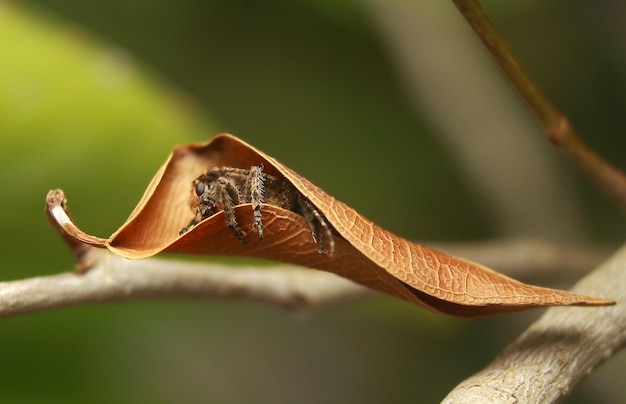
x=223 y=188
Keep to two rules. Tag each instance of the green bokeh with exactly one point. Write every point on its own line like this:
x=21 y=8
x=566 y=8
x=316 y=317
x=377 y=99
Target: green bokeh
x=77 y=116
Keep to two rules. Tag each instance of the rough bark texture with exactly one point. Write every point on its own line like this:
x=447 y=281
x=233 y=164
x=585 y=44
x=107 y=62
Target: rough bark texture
x=557 y=351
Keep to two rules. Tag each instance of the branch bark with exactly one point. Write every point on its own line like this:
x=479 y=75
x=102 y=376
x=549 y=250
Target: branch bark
x=559 y=350
x=112 y=279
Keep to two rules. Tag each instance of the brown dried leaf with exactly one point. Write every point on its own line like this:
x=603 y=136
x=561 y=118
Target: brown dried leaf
x=364 y=253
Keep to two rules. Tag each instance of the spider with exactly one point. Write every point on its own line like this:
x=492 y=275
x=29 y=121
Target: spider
x=222 y=188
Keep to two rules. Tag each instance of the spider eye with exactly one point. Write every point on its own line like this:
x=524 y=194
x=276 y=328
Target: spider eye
x=200 y=187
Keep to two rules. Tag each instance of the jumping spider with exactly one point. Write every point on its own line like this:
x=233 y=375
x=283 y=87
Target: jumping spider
x=222 y=188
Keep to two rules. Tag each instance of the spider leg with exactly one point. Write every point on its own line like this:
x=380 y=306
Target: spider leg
x=255 y=188
x=196 y=219
x=200 y=205
x=315 y=219
x=225 y=192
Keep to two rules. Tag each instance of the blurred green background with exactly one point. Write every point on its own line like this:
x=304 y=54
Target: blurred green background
x=93 y=95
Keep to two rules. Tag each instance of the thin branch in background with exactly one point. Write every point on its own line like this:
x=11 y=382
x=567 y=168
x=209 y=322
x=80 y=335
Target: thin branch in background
x=480 y=121
x=529 y=258
x=559 y=350
x=558 y=129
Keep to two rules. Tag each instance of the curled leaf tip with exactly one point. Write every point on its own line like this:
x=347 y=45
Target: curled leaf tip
x=59 y=215
x=80 y=243
x=209 y=199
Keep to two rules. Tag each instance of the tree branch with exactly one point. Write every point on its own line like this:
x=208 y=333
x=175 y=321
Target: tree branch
x=559 y=131
x=559 y=350
x=529 y=258
x=479 y=120
x=112 y=279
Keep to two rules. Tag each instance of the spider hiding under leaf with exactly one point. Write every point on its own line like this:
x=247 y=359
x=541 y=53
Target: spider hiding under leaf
x=223 y=188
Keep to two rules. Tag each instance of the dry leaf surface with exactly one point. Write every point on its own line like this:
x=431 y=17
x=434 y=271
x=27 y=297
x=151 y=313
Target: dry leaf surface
x=364 y=252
